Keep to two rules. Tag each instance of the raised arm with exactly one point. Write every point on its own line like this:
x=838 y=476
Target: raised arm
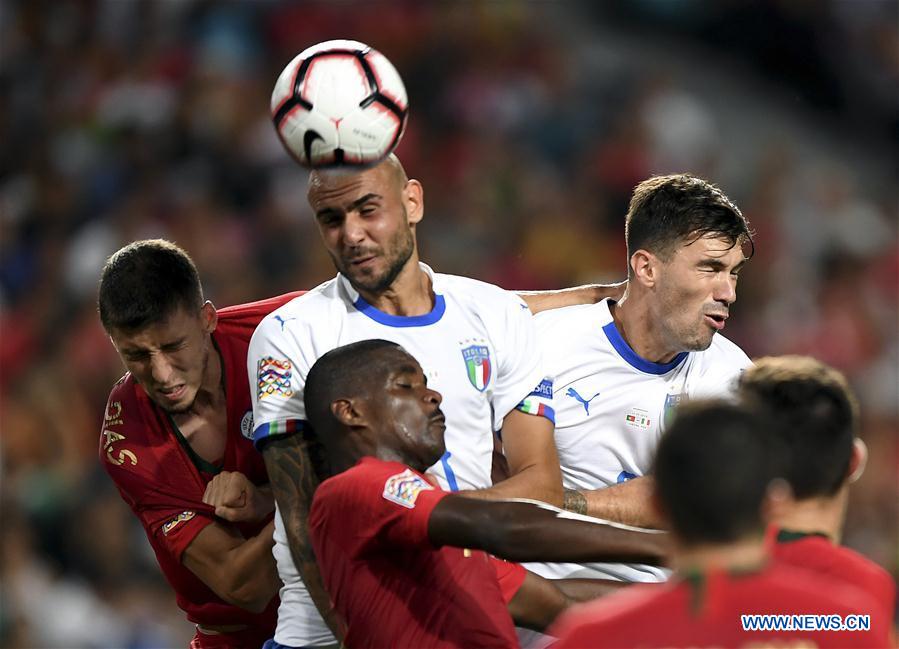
x=538 y=301
x=527 y=531
x=293 y=480
x=629 y=503
x=240 y=571
x=532 y=460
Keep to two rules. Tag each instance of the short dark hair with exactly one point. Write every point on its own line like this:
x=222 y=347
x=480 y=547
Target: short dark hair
x=145 y=282
x=713 y=468
x=818 y=416
x=666 y=211
x=345 y=371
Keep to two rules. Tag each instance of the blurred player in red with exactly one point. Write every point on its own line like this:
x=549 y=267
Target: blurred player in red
x=390 y=545
x=819 y=421
x=176 y=441
x=715 y=475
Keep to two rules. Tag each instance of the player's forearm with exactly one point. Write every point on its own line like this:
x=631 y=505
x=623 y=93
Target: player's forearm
x=252 y=574
x=629 y=503
x=265 y=500
x=537 y=603
x=538 y=301
x=293 y=482
x=533 y=483
x=583 y=590
x=525 y=531
x=553 y=536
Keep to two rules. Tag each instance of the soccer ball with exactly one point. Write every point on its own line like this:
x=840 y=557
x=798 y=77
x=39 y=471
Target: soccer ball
x=339 y=103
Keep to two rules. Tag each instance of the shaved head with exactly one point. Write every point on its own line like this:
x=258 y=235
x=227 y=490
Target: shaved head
x=390 y=166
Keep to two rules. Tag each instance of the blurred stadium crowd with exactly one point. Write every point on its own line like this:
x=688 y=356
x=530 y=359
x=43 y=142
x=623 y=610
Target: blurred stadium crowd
x=530 y=125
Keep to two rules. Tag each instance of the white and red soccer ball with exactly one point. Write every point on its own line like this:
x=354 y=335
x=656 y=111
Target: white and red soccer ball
x=339 y=103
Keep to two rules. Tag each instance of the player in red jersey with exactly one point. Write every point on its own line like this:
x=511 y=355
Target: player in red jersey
x=819 y=416
x=391 y=546
x=715 y=475
x=175 y=441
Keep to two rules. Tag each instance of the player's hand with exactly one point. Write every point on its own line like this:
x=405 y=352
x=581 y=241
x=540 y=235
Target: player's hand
x=236 y=499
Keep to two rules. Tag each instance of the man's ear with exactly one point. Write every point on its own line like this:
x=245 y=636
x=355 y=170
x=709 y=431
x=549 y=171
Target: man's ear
x=414 y=201
x=209 y=316
x=345 y=412
x=644 y=268
x=858 y=460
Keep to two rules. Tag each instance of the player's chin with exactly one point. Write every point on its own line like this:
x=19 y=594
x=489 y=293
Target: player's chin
x=365 y=278
x=704 y=341
x=181 y=406
x=437 y=448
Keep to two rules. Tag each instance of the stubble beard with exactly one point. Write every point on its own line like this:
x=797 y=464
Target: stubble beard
x=682 y=335
x=402 y=246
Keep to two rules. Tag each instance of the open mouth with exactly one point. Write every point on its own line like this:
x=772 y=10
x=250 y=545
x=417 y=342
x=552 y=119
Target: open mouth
x=174 y=393
x=361 y=261
x=716 y=320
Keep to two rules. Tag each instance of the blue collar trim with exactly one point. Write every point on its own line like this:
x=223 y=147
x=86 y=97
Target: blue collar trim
x=400 y=320
x=633 y=359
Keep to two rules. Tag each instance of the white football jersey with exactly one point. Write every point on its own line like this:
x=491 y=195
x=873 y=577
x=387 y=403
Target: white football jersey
x=611 y=405
x=477 y=347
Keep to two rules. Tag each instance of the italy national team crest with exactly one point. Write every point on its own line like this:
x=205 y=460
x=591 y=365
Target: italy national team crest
x=477 y=362
x=672 y=401
x=403 y=488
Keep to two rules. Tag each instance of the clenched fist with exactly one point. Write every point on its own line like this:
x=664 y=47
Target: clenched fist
x=236 y=499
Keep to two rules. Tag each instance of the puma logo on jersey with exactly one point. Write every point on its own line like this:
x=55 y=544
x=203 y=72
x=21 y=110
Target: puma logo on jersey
x=586 y=402
x=282 y=321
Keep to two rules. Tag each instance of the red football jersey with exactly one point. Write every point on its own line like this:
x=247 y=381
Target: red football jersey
x=510 y=576
x=144 y=454
x=705 y=611
x=818 y=553
x=369 y=528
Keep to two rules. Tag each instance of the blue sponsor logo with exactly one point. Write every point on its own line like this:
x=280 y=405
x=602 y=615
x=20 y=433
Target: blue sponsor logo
x=545 y=389
x=624 y=476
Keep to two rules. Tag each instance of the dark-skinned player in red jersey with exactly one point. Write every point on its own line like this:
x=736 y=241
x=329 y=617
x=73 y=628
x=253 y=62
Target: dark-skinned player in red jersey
x=819 y=416
x=175 y=437
x=404 y=561
x=716 y=473
x=175 y=441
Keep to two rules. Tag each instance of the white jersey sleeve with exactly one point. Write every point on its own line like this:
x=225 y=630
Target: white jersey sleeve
x=521 y=381
x=281 y=353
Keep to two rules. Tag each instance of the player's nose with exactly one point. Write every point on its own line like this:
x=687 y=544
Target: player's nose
x=161 y=370
x=432 y=396
x=726 y=290
x=353 y=229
